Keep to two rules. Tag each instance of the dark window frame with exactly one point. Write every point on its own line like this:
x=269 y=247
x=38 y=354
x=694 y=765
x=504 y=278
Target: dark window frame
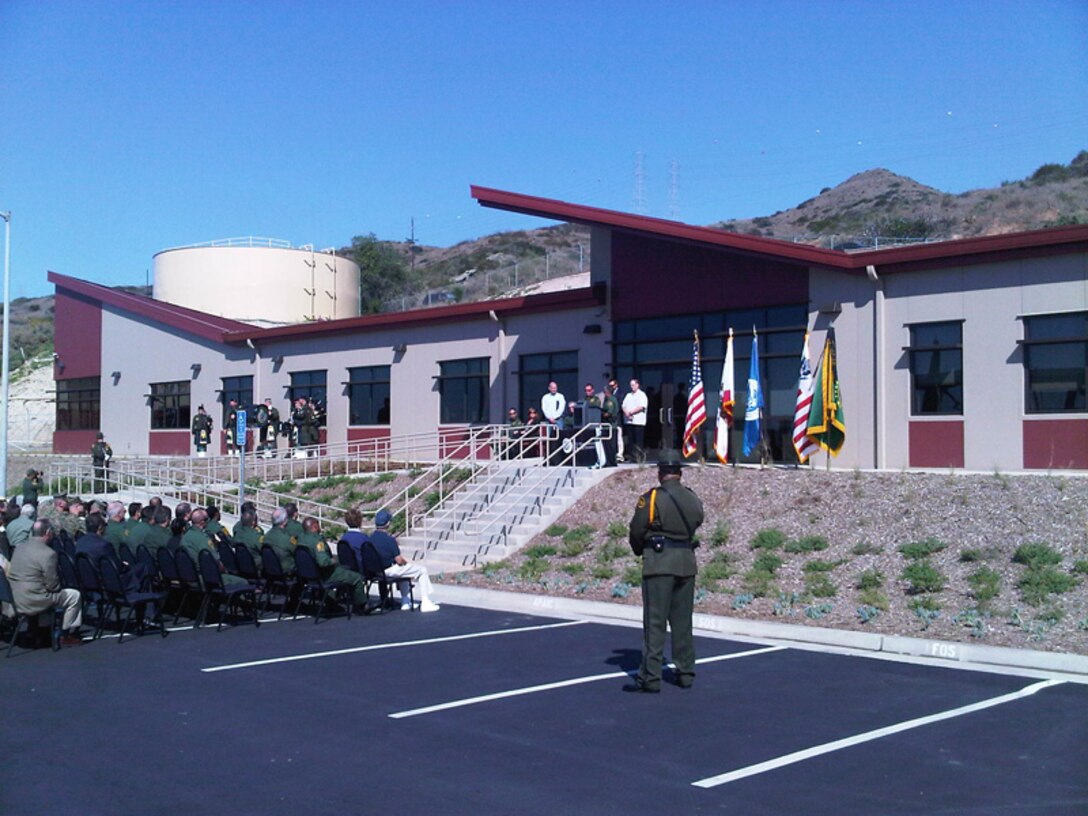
x=366 y=386
x=546 y=367
x=235 y=388
x=1076 y=398
x=949 y=397
x=171 y=405
x=79 y=404
x=458 y=386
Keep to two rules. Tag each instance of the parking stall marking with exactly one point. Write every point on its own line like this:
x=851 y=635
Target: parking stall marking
x=574 y=681
x=847 y=742
x=397 y=645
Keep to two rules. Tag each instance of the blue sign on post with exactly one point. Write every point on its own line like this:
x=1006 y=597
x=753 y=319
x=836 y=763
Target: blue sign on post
x=240 y=433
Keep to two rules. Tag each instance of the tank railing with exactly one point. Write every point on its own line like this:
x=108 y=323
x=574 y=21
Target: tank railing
x=245 y=241
x=536 y=475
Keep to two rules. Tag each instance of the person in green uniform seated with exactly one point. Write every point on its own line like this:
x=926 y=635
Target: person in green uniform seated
x=662 y=531
x=215 y=528
x=159 y=534
x=278 y=539
x=32 y=485
x=133 y=519
x=294 y=527
x=246 y=505
x=115 y=525
x=247 y=532
x=196 y=538
x=137 y=533
x=330 y=571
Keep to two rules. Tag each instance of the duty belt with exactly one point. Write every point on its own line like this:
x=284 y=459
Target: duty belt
x=669 y=543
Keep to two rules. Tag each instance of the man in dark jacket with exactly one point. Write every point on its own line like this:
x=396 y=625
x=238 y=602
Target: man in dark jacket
x=662 y=531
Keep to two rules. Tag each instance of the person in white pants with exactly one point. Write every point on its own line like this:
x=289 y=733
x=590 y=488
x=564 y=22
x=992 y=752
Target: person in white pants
x=398 y=569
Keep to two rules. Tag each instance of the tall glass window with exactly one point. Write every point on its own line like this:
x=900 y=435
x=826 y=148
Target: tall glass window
x=310 y=385
x=936 y=368
x=368 y=395
x=239 y=389
x=169 y=405
x=78 y=404
x=1056 y=362
x=463 y=390
x=537 y=370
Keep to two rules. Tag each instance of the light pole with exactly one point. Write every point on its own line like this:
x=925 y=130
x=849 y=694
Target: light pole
x=4 y=367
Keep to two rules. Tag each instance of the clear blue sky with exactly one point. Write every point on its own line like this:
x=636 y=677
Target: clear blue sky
x=130 y=127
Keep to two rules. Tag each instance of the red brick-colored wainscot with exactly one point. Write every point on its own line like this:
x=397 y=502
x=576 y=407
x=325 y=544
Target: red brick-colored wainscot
x=1056 y=443
x=73 y=441
x=370 y=439
x=223 y=442
x=937 y=444
x=169 y=443
x=453 y=442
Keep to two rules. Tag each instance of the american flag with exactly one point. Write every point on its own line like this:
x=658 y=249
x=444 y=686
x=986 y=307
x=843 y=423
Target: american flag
x=806 y=384
x=696 y=403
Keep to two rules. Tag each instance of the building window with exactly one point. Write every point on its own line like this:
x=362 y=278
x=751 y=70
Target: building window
x=309 y=385
x=169 y=405
x=78 y=404
x=537 y=370
x=936 y=368
x=239 y=389
x=463 y=390
x=1056 y=362
x=368 y=395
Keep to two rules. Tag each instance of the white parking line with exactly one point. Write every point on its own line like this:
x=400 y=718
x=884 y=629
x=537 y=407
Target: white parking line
x=592 y=678
x=826 y=748
x=403 y=643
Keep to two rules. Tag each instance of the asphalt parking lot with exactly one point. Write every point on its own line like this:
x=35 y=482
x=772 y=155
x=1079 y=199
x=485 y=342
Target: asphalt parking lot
x=470 y=711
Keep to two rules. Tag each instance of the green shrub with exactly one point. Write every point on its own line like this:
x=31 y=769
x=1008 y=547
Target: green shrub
x=768 y=539
x=1051 y=615
x=927 y=603
x=819 y=585
x=610 y=551
x=767 y=562
x=720 y=536
x=540 y=551
x=866 y=548
x=616 y=529
x=371 y=496
x=632 y=575
x=922 y=576
x=492 y=567
x=1080 y=567
x=759 y=583
x=573 y=569
x=811 y=543
x=582 y=534
x=1038 y=584
x=985 y=585
x=874 y=597
x=870 y=579
x=921 y=549
x=573 y=549
x=719 y=568
x=556 y=531
x=602 y=572
x=382 y=478
x=1036 y=555
x=532 y=569
x=819 y=565
x=970 y=555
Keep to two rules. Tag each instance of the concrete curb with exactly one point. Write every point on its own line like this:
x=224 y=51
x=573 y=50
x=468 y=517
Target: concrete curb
x=937 y=650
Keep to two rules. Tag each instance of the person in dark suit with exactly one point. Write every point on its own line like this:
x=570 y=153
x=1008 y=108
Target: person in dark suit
x=94 y=545
x=35 y=584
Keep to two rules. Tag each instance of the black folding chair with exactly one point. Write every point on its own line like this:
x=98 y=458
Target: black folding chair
x=125 y=553
x=190 y=579
x=7 y=596
x=133 y=601
x=168 y=572
x=92 y=591
x=216 y=590
x=247 y=566
x=275 y=579
x=374 y=573
x=144 y=557
x=309 y=577
x=226 y=557
x=345 y=555
x=66 y=571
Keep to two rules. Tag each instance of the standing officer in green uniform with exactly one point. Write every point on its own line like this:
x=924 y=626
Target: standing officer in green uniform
x=32 y=484
x=101 y=453
x=311 y=539
x=662 y=531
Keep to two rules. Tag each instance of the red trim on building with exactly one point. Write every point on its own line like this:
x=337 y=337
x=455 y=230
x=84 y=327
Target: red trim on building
x=1059 y=240
x=73 y=441
x=169 y=443
x=77 y=336
x=453 y=443
x=1056 y=443
x=223 y=441
x=360 y=433
x=936 y=444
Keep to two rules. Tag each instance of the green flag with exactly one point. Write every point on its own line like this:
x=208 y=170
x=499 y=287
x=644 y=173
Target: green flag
x=826 y=421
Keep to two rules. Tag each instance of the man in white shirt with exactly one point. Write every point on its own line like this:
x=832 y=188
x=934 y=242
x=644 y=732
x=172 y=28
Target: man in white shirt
x=634 y=407
x=553 y=404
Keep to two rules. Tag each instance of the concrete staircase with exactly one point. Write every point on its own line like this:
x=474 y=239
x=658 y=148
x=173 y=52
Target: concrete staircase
x=509 y=503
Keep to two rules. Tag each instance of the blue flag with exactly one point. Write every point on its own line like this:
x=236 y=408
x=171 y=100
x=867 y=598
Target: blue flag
x=753 y=408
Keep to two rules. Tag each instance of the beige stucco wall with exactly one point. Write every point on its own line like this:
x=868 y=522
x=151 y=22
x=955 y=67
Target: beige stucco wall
x=258 y=283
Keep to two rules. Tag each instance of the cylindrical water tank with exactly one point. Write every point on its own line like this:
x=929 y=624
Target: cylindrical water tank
x=258 y=280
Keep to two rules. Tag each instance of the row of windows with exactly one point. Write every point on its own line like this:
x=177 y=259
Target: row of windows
x=1055 y=357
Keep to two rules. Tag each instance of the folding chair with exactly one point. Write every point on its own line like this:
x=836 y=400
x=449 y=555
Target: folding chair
x=275 y=579
x=7 y=596
x=226 y=557
x=168 y=570
x=92 y=591
x=133 y=601
x=309 y=577
x=214 y=588
x=190 y=579
x=374 y=573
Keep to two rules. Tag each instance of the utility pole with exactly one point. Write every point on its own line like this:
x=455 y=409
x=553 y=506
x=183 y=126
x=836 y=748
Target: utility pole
x=5 y=371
